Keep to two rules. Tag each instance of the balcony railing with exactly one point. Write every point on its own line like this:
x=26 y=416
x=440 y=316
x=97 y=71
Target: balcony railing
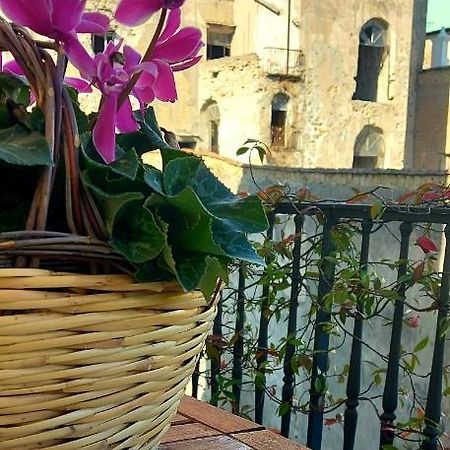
x=399 y=227
x=283 y=62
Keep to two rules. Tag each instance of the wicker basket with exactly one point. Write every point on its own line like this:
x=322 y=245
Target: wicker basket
x=93 y=362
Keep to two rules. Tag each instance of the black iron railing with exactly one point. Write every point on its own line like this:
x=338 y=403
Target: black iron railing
x=405 y=218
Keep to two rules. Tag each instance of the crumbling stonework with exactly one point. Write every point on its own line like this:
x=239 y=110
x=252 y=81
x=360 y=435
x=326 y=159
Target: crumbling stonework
x=322 y=121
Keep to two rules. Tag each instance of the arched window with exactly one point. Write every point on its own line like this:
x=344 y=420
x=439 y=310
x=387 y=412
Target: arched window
x=373 y=51
x=211 y=122
x=279 y=117
x=369 y=148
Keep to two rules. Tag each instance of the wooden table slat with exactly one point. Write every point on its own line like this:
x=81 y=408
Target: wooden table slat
x=200 y=426
x=219 y=419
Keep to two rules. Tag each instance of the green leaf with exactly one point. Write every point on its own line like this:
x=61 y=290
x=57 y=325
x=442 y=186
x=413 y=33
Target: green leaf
x=154 y=178
x=283 y=409
x=188 y=268
x=376 y=211
x=215 y=270
x=180 y=174
x=15 y=89
x=199 y=238
x=127 y=165
x=241 y=151
x=20 y=147
x=421 y=345
x=235 y=245
x=135 y=233
x=108 y=203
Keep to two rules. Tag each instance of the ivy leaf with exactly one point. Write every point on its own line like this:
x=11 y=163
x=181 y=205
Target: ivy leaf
x=135 y=233
x=20 y=147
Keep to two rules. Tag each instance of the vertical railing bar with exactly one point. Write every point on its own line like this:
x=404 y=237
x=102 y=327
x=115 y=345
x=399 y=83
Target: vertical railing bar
x=390 y=393
x=263 y=343
x=321 y=338
x=238 y=347
x=354 y=374
x=289 y=377
x=195 y=379
x=215 y=364
x=434 y=397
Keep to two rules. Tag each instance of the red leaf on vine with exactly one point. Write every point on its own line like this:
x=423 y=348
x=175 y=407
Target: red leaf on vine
x=418 y=271
x=407 y=196
x=426 y=244
x=329 y=422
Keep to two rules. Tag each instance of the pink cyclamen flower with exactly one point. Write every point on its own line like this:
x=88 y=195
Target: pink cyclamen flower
x=112 y=72
x=60 y=20
x=136 y=12
x=175 y=50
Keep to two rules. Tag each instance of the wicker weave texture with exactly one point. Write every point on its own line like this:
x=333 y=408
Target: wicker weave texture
x=93 y=362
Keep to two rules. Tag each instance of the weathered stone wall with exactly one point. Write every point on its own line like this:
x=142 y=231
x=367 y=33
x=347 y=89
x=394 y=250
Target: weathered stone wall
x=323 y=120
x=432 y=126
x=330 y=119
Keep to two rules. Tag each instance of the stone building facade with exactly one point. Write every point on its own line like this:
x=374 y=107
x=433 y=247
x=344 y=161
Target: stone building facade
x=329 y=84
x=432 y=124
x=324 y=84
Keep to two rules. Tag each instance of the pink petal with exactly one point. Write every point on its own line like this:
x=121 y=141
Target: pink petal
x=13 y=68
x=125 y=121
x=182 y=45
x=186 y=64
x=172 y=24
x=136 y=12
x=79 y=57
x=104 y=133
x=93 y=22
x=143 y=90
x=131 y=58
x=67 y=14
x=78 y=84
x=33 y=14
x=165 y=89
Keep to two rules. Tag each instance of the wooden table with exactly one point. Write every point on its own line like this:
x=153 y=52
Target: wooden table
x=200 y=426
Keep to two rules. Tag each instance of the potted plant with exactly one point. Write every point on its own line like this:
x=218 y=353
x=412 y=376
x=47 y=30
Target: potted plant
x=109 y=268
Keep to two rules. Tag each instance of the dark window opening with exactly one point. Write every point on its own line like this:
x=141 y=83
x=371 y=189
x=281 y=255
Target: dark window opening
x=187 y=144
x=100 y=41
x=217 y=51
x=214 y=136
x=369 y=148
x=218 y=42
x=364 y=162
x=279 y=119
x=278 y=127
x=371 y=57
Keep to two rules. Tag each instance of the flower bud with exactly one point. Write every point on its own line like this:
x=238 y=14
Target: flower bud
x=413 y=321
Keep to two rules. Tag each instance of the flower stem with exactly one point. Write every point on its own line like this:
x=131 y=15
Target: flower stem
x=134 y=79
